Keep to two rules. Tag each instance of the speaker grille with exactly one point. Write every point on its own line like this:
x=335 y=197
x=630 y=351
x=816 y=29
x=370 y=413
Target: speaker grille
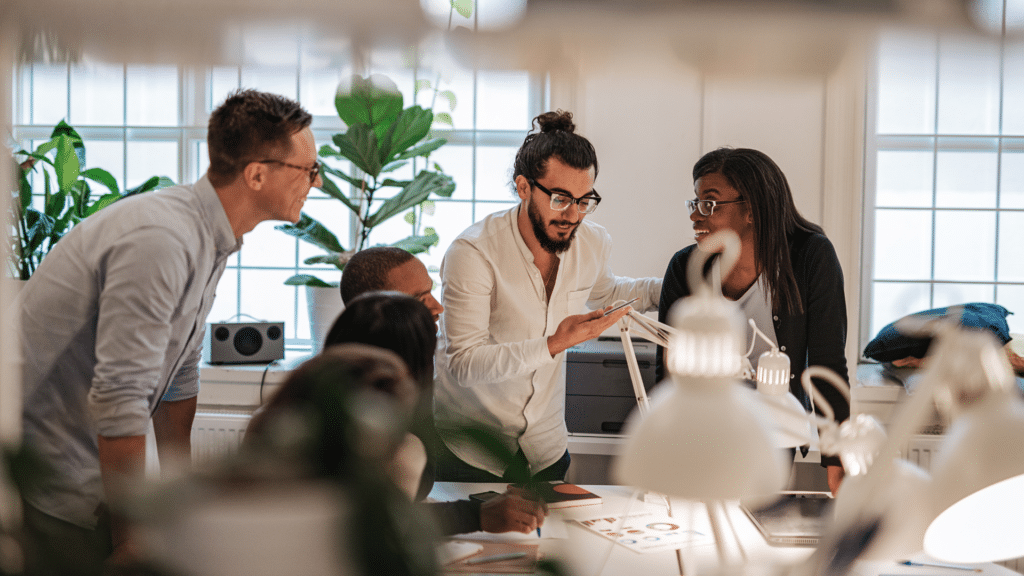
x=248 y=341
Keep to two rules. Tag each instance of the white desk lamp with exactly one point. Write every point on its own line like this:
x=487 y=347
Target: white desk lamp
x=969 y=376
x=707 y=437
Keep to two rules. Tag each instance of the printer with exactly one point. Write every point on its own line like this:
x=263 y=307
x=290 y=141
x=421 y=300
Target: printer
x=598 y=390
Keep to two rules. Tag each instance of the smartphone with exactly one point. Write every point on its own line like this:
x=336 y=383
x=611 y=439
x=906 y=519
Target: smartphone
x=621 y=306
x=484 y=496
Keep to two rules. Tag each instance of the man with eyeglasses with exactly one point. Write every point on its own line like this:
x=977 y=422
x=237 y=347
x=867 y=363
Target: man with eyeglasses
x=112 y=323
x=515 y=287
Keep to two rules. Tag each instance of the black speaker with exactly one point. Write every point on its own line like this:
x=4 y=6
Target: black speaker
x=243 y=343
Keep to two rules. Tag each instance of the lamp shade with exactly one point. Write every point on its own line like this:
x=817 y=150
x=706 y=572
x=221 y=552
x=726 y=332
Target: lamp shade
x=983 y=446
x=702 y=443
x=987 y=526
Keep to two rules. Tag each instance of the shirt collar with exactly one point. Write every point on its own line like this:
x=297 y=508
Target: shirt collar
x=216 y=218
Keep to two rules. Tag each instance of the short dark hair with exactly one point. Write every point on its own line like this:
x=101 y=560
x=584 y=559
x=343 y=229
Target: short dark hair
x=394 y=321
x=556 y=137
x=368 y=270
x=250 y=126
x=761 y=182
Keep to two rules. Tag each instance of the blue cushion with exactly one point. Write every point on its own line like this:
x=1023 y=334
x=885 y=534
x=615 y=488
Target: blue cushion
x=891 y=345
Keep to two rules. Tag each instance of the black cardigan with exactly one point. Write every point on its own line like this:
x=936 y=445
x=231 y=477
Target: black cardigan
x=817 y=337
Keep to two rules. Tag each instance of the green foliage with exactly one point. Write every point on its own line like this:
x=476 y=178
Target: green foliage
x=382 y=136
x=67 y=197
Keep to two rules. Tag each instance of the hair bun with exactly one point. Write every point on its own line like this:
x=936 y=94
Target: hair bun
x=558 y=120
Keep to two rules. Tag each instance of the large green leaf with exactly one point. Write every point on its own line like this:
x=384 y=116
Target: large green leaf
x=417 y=244
x=154 y=183
x=308 y=280
x=392 y=166
x=415 y=192
x=63 y=129
x=332 y=258
x=359 y=146
x=424 y=149
x=310 y=230
x=375 y=101
x=332 y=190
x=463 y=7
x=66 y=163
x=411 y=126
x=103 y=177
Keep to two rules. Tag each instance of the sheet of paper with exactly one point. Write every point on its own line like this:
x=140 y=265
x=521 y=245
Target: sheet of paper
x=553 y=527
x=646 y=532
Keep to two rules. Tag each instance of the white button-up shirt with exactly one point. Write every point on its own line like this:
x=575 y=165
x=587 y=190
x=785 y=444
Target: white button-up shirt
x=493 y=368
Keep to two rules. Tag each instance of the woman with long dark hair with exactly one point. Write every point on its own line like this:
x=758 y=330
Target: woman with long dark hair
x=787 y=279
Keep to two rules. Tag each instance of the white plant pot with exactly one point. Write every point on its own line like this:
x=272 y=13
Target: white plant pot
x=324 y=305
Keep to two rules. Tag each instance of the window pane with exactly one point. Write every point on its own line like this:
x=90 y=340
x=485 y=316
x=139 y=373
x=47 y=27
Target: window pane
x=965 y=245
x=265 y=295
x=903 y=244
x=457 y=162
x=1011 y=241
x=148 y=159
x=451 y=218
x=152 y=96
x=494 y=172
x=1011 y=183
x=108 y=155
x=458 y=81
x=49 y=93
x=1012 y=298
x=966 y=180
x=334 y=216
x=904 y=179
x=201 y=160
x=282 y=82
x=906 y=85
x=892 y=301
x=969 y=87
x=265 y=246
x=225 y=305
x=953 y=294
x=223 y=81
x=318 y=88
x=97 y=95
x=1013 y=88
x=502 y=100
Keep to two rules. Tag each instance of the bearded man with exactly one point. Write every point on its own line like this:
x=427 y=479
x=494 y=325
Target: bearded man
x=515 y=288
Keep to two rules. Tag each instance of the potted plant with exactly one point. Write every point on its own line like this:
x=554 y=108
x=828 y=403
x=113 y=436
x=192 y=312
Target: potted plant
x=67 y=198
x=382 y=137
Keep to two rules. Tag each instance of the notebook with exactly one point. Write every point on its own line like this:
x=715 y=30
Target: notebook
x=561 y=494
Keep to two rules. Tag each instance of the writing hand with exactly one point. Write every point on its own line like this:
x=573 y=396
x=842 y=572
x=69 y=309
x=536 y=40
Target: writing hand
x=510 y=512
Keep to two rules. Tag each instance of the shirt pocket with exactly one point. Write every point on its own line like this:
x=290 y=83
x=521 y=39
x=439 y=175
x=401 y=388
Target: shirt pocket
x=576 y=301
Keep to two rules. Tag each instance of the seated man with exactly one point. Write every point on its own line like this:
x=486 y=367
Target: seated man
x=388 y=268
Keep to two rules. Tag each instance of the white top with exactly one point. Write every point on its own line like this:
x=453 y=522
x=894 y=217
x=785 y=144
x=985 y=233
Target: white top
x=493 y=367
x=756 y=304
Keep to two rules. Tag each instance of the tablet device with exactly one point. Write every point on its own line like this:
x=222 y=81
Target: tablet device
x=796 y=518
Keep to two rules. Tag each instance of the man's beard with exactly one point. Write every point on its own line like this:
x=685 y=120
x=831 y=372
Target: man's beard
x=548 y=243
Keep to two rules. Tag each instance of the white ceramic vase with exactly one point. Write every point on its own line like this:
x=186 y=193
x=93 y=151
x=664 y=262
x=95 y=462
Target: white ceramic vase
x=324 y=306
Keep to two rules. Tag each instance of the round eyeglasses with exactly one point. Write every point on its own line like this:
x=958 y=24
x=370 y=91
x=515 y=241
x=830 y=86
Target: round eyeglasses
x=560 y=200
x=707 y=207
x=313 y=172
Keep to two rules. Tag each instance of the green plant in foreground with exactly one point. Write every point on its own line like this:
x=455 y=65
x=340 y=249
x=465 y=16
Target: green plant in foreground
x=67 y=197
x=382 y=137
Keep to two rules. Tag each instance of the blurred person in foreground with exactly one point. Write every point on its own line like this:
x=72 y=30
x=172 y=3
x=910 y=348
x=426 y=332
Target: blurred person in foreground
x=402 y=324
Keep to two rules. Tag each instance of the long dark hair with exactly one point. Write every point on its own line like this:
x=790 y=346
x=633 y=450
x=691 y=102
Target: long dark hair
x=393 y=321
x=760 y=182
x=555 y=136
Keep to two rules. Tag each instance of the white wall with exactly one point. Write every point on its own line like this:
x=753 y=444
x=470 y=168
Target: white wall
x=651 y=116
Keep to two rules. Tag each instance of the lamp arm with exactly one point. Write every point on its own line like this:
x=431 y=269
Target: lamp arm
x=724 y=241
x=753 y=337
x=819 y=400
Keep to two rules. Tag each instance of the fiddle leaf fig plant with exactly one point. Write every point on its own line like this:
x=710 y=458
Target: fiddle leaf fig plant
x=382 y=137
x=67 y=196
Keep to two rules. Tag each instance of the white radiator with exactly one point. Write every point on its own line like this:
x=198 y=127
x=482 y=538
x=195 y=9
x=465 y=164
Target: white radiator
x=216 y=433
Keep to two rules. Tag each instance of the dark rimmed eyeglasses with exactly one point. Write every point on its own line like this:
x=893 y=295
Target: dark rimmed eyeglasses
x=560 y=200
x=313 y=172
x=707 y=207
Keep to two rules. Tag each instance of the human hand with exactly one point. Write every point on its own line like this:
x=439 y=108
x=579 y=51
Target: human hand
x=511 y=512
x=835 y=477
x=582 y=327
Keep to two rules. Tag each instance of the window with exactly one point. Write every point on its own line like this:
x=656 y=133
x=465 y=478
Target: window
x=944 y=218
x=140 y=121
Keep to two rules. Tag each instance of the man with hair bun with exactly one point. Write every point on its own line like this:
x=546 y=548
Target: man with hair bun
x=515 y=287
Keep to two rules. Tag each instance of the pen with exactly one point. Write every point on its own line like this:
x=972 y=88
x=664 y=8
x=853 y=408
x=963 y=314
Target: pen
x=538 y=531
x=937 y=565
x=496 y=558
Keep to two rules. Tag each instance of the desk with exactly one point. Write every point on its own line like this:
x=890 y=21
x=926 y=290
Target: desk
x=585 y=552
